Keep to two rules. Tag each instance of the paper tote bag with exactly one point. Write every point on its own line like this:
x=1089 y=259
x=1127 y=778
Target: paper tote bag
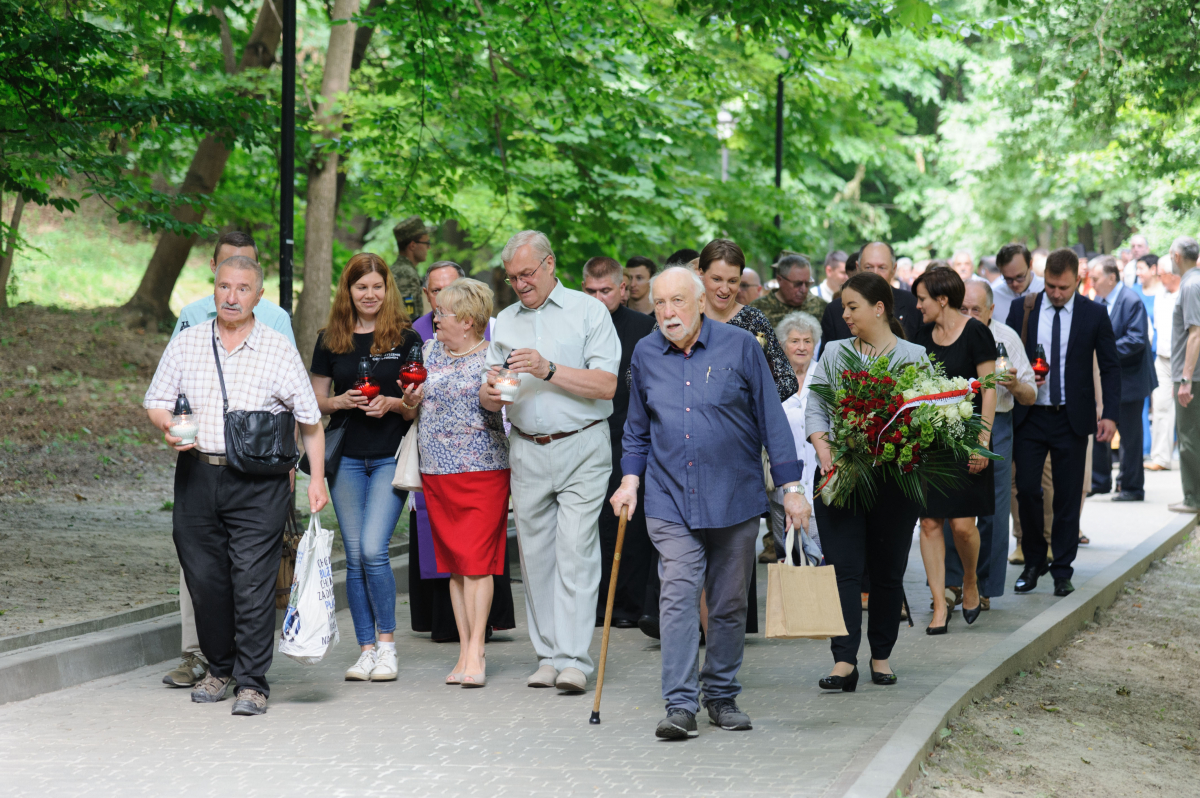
x=408 y=465
x=802 y=600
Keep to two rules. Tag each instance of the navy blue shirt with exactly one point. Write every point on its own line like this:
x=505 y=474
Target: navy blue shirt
x=697 y=424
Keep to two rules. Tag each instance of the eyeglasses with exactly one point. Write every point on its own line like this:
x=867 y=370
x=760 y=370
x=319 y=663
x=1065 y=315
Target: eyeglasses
x=422 y=243
x=1016 y=281
x=524 y=277
x=438 y=313
x=797 y=283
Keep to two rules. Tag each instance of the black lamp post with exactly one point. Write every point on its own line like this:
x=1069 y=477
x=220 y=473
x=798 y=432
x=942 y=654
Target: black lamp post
x=782 y=53
x=287 y=156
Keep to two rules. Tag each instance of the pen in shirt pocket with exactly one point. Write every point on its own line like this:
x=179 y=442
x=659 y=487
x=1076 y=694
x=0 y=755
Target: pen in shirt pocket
x=709 y=374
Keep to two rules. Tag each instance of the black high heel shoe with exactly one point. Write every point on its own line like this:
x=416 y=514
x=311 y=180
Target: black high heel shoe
x=883 y=679
x=970 y=615
x=846 y=684
x=944 y=628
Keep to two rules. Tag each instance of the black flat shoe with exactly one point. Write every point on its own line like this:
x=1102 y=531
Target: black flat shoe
x=1028 y=579
x=649 y=626
x=970 y=615
x=1063 y=587
x=846 y=684
x=884 y=679
x=623 y=623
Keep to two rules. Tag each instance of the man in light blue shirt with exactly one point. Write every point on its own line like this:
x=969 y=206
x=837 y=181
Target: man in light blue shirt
x=192 y=666
x=229 y=244
x=1016 y=279
x=565 y=349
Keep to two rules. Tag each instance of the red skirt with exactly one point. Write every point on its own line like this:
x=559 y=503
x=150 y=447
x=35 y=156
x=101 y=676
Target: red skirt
x=468 y=514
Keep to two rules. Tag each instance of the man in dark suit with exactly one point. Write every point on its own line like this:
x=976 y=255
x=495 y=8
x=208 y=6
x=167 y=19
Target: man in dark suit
x=1071 y=329
x=604 y=279
x=1128 y=316
x=877 y=257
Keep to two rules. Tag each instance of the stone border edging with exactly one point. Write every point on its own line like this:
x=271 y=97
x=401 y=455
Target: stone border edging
x=897 y=764
x=30 y=639
x=59 y=664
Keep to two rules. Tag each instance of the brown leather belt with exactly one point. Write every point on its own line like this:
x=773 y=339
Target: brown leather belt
x=542 y=440
x=211 y=459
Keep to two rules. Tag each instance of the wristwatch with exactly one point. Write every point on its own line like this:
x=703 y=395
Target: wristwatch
x=794 y=489
x=550 y=373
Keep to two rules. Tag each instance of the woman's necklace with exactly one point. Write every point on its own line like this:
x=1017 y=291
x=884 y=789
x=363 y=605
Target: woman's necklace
x=464 y=354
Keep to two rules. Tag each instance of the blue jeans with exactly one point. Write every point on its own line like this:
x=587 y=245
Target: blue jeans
x=367 y=508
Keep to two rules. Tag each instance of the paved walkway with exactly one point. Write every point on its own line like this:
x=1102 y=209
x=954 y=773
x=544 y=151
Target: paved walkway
x=129 y=735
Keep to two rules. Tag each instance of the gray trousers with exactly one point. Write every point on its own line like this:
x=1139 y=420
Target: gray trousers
x=721 y=561
x=557 y=491
x=993 y=529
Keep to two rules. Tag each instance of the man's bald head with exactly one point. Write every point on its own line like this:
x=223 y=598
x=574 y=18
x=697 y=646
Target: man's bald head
x=878 y=257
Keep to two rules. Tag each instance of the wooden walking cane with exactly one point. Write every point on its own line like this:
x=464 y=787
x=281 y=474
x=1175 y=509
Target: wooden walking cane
x=612 y=595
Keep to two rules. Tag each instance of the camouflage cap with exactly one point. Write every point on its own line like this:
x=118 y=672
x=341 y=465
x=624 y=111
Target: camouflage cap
x=408 y=229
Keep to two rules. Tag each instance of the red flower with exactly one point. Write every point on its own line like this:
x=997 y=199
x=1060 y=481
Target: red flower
x=975 y=386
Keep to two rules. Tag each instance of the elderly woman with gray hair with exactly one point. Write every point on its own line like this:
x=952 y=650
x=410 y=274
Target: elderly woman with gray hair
x=800 y=335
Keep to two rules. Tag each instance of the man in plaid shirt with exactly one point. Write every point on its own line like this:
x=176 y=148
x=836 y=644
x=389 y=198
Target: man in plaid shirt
x=228 y=525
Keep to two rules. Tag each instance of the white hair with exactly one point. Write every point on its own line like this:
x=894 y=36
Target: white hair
x=697 y=283
x=242 y=263
x=535 y=239
x=800 y=322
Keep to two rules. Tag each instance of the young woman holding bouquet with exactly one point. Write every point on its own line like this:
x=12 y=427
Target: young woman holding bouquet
x=965 y=348
x=858 y=539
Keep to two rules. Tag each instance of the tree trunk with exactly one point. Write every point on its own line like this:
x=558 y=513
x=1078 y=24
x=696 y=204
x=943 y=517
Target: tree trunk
x=10 y=250
x=150 y=304
x=313 y=308
x=1107 y=236
x=1086 y=236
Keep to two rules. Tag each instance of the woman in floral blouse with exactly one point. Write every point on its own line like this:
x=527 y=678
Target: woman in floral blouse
x=464 y=467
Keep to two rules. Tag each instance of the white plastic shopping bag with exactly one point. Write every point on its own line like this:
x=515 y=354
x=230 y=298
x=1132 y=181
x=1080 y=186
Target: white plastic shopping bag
x=309 y=625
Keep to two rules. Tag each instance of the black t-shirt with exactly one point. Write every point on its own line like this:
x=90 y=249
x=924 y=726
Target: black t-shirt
x=975 y=345
x=366 y=437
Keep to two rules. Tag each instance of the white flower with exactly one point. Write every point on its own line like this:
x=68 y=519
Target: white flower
x=965 y=409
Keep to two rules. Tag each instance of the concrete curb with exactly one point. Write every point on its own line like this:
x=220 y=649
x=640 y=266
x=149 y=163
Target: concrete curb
x=893 y=769
x=58 y=664
x=30 y=639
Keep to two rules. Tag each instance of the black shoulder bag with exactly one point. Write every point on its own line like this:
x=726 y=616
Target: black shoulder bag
x=257 y=442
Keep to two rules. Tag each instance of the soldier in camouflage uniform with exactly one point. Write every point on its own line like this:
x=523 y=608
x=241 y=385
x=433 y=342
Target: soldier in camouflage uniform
x=794 y=273
x=412 y=241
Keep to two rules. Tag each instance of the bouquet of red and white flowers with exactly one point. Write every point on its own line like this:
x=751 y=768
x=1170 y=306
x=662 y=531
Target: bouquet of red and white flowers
x=913 y=425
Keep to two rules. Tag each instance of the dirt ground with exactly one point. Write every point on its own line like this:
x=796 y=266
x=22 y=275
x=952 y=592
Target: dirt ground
x=84 y=478
x=1114 y=713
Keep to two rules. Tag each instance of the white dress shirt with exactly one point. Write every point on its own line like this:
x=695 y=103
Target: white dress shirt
x=1164 y=310
x=1045 y=334
x=1003 y=296
x=822 y=290
x=1016 y=355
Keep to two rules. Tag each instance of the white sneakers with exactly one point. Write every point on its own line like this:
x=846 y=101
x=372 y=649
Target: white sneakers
x=374 y=665
x=385 y=665
x=361 y=671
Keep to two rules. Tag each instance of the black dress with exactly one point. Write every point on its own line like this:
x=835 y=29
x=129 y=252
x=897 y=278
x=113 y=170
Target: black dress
x=975 y=345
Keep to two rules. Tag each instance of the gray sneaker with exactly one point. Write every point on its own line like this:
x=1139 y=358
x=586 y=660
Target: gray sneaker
x=724 y=712
x=679 y=724
x=211 y=689
x=249 y=702
x=190 y=670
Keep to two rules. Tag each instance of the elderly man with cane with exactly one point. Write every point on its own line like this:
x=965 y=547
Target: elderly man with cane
x=240 y=376
x=564 y=350
x=702 y=406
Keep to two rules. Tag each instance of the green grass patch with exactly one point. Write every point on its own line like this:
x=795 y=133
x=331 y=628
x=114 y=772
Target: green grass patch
x=82 y=265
